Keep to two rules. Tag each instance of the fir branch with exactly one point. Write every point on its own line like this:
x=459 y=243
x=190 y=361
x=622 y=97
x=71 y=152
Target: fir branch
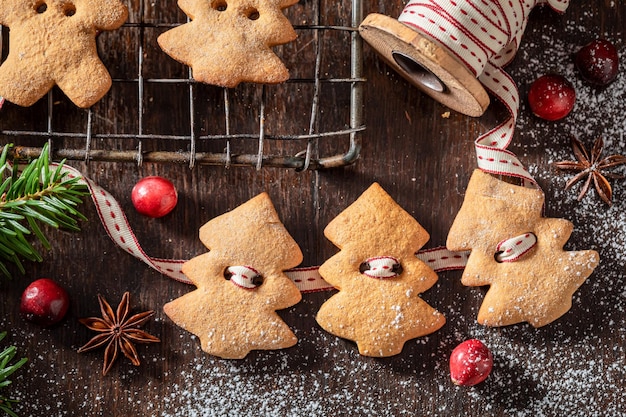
x=6 y=369
x=38 y=195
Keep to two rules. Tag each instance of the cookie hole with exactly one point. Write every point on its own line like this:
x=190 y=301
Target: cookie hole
x=381 y=267
x=243 y=276
x=220 y=5
x=257 y=280
x=253 y=14
x=41 y=7
x=515 y=248
x=228 y=274
x=397 y=269
x=69 y=10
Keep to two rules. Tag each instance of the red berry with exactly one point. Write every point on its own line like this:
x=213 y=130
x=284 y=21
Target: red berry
x=44 y=302
x=551 y=97
x=154 y=196
x=470 y=363
x=598 y=62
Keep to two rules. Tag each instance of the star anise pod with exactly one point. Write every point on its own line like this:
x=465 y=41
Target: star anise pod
x=592 y=167
x=117 y=331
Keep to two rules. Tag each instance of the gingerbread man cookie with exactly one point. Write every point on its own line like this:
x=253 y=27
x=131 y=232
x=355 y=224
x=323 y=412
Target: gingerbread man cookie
x=537 y=285
x=229 y=41
x=240 y=283
x=54 y=42
x=378 y=276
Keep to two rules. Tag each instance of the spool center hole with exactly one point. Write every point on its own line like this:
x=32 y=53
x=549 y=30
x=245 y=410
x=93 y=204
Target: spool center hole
x=418 y=73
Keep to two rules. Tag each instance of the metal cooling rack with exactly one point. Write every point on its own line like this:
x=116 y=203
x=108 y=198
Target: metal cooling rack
x=309 y=148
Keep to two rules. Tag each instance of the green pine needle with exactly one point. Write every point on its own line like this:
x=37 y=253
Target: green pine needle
x=6 y=369
x=37 y=195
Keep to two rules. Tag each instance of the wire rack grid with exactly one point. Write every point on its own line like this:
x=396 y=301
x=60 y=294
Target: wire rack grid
x=250 y=125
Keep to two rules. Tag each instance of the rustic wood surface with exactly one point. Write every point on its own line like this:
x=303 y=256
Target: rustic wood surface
x=422 y=158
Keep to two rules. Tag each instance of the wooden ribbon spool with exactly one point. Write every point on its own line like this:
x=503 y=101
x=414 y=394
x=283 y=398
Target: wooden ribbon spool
x=425 y=64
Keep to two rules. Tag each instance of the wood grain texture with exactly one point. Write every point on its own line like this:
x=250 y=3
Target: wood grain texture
x=422 y=157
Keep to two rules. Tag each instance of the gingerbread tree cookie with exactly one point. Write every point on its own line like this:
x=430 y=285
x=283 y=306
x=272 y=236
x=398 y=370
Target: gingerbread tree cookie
x=538 y=285
x=378 y=276
x=54 y=42
x=240 y=283
x=229 y=41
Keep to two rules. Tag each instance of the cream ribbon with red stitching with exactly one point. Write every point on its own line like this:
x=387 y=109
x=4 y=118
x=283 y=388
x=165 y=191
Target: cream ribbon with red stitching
x=307 y=279
x=381 y=267
x=511 y=250
x=484 y=35
x=118 y=228
x=243 y=276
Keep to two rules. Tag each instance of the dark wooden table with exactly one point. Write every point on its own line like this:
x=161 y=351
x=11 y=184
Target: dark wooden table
x=574 y=366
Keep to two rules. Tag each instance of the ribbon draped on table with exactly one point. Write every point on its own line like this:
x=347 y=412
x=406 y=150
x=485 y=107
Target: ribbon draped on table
x=307 y=279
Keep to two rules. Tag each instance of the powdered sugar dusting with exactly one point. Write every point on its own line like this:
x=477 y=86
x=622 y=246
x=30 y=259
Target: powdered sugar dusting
x=537 y=372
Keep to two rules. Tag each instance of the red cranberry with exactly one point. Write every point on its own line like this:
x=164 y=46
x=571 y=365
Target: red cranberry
x=551 y=97
x=154 y=196
x=598 y=62
x=470 y=363
x=44 y=302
